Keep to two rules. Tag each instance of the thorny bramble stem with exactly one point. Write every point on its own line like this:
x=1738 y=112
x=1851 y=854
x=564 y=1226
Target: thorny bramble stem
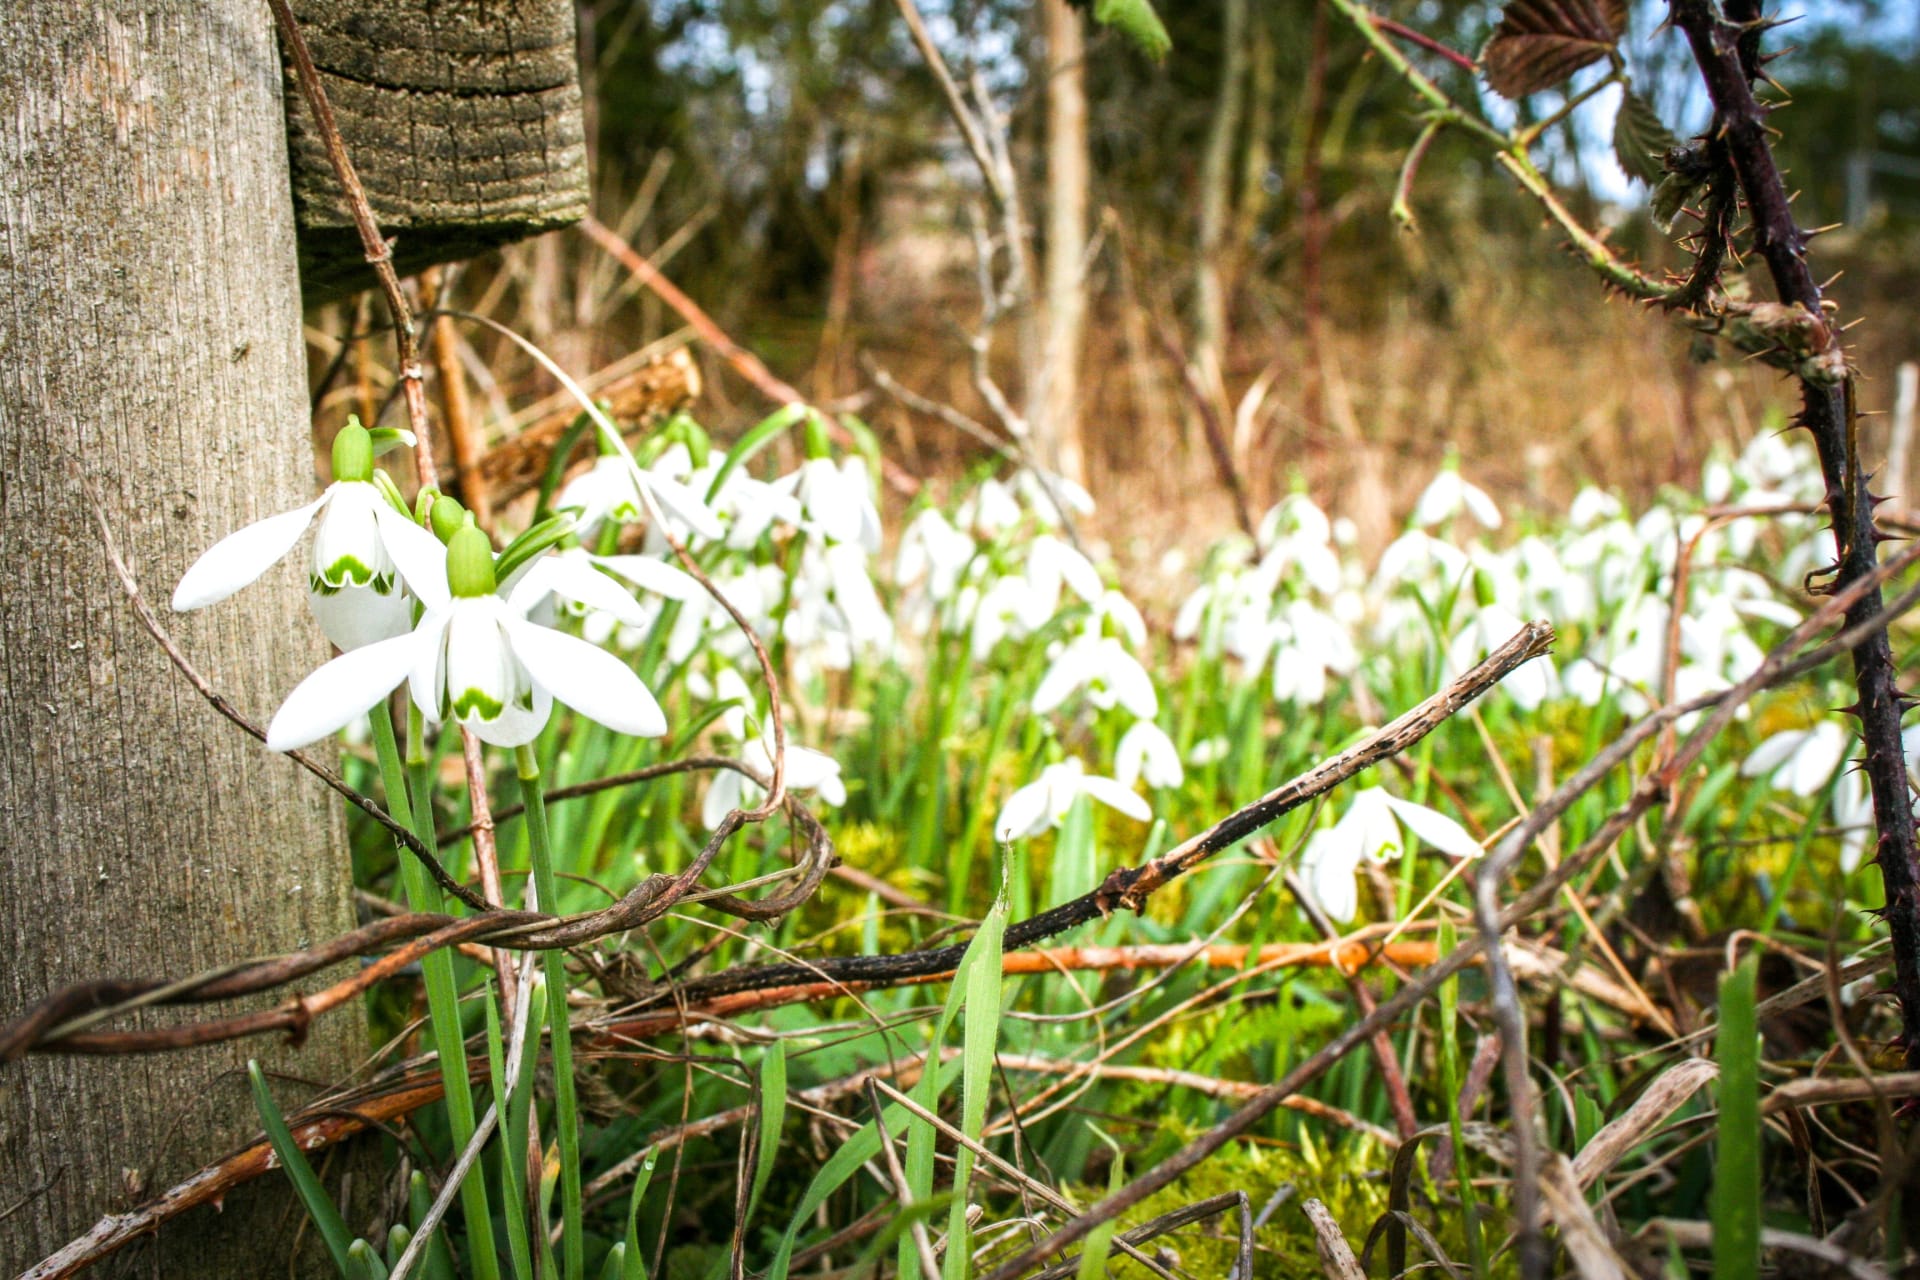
x=1827 y=412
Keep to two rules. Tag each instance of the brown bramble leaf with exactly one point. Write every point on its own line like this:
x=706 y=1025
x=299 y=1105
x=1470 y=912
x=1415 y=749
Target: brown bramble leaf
x=1539 y=43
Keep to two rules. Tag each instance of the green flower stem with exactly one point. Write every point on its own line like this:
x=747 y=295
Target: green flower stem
x=443 y=994
x=547 y=887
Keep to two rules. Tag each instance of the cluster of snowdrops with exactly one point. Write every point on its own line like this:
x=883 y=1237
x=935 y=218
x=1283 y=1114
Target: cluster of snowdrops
x=416 y=595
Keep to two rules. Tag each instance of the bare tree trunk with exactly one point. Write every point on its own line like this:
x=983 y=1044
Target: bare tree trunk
x=150 y=325
x=1057 y=426
x=1216 y=206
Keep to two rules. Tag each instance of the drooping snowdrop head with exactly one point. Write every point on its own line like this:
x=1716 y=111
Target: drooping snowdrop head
x=807 y=770
x=1447 y=496
x=1044 y=802
x=617 y=488
x=362 y=552
x=1371 y=829
x=472 y=658
x=1798 y=760
x=1145 y=751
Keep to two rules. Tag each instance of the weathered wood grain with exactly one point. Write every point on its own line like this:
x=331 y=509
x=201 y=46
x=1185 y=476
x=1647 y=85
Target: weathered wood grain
x=462 y=118
x=150 y=337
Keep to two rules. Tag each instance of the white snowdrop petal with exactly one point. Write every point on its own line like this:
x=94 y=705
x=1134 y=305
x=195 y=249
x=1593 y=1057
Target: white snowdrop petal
x=340 y=692
x=1772 y=753
x=1060 y=680
x=1024 y=814
x=1115 y=796
x=1328 y=866
x=723 y=796
x=516 y=725
x=684 y=505
x=1437 y=829
x=354 y=617
x=417 y=554
x=588 y=679
x=574 y=578
x=242 y=556
x=425 y=677
x=653 y=575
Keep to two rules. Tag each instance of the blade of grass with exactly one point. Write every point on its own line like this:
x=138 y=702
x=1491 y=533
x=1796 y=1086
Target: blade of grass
x=977 y=1045
x=633 y=1266
x=319 y=1205
x=773 y=1113
x=1736 y=1183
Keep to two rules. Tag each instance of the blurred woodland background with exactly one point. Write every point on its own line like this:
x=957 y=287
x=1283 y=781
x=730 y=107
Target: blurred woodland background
x=793 y=166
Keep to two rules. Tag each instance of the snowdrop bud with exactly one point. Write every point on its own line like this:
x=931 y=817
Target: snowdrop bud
x=691 y=434
x=1483 y=591
x=470 y=562
x=353 y=453
x=447 y=516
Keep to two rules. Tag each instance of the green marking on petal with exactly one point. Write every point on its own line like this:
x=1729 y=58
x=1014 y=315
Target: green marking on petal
x=475 y=703
x=347 y=571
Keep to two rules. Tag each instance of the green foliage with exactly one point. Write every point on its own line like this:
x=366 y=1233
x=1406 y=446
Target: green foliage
x=320 y=1208
x=1137 y=21
x=1736 y=1184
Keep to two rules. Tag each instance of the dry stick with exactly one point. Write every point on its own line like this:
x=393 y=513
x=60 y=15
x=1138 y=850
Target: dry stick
x=469 y=446
x=486 y=856
x=219 y=702
x=970 y=130
x=1129 y=887
x=1647 y=792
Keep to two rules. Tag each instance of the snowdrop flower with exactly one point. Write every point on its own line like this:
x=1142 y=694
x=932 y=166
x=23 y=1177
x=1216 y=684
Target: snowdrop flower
x=1307 y=644
x=474 y=657
x=933 y=549
x=1371 y=828
x=1853 y=814
x=836 y=499
x=990 y=509
x=807 y=770
x=1448 y=495
x=1591 y=506
x=1418 y=556
x=1009 y=607
x=1102 y=666
x=1044 y=802
x=843 y=572
x=1052 y=563
x=1145 y=751
x=1798 y=760
x=614 y=488
x=574 y=575
x=1047 y=493
x=1493 y=624
x=1209 y=751
x=364 y=552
